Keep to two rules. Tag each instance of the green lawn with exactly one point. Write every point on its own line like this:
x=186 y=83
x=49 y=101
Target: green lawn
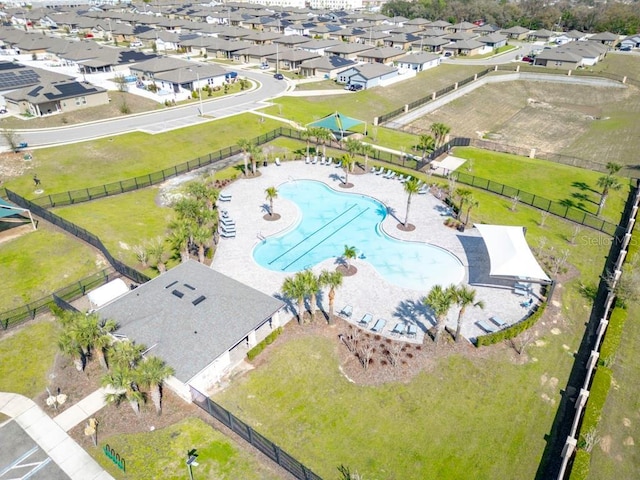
x=162 y=454
x=41 y=262
x=27 y=356
x=106 y=160
x=572 y=186
x=122 y=221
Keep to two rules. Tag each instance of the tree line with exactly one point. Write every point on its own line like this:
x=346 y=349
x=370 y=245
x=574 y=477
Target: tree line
x=583 y=15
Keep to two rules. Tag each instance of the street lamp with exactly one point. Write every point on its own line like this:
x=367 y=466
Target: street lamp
x=199 y=90
x=192 y=455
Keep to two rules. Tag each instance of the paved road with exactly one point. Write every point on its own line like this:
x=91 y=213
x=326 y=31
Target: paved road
x=161 y=120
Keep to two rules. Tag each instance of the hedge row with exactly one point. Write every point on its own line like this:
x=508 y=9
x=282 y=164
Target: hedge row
x=513 y=330
x=580 y=468
x=255 y=351
x=613 y=336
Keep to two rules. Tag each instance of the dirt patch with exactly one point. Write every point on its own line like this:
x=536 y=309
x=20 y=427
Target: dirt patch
x=13 y=165
x=605 y=443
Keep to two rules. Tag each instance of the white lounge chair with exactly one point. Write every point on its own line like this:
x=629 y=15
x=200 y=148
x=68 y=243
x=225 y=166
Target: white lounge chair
x=423 y=189
x=322 y=161
x=392 y=175
x=498 y=321
x=412 y=331
x=315 y=160
x=401 y=178
x=228 y=234
x=380 y=323
x=227 y=221
x=224 y=197
x=277 y=161
x=339 y=164
x=380 y=171
x=387 y=173
x=398 y=329
x=486 y=326
x=406 y=179
x=365 y=320
x=329 y=161
x=373 y=170
x=347 y=311
x=224 y=229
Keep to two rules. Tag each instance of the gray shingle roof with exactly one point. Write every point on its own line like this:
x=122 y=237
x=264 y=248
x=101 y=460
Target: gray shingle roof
x=186 y=336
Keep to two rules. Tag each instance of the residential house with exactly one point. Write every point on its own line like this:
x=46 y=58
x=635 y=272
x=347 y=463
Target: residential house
x=606 y=38
x=368 y=75
x=384 y=55
x=257 y=54
x=148 y=69
x=517 y=32
x=290 y=59
x=442 y=25
x=418 y=61
x=486 y=29
x=464 y=27
x=348 y=50
x=327 y=66
x=464 y=48
x=493 y=41
x=402 y=41
x=542 y=35
x=632 y=41
x=291 y=41
x=430 y=44
x=199 y=321
x=319 y=46
x=558 y=58
x=418 y=22
x=191 y=79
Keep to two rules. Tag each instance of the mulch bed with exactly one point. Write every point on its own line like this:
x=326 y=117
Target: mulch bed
x=410 y=227
x=272 y=218
x=347 y=271
x=345 y=185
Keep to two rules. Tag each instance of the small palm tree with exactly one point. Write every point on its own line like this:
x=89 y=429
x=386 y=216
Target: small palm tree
x=411 y=187
x=307 y=135
x=120 y=385
x=157 y=253
x=471 y=203
x=312 y=285
x=125 y=354
x=440 y=300
x=352 y=146
x=272 y=194
x=333 y=280
x=69 y=347
x=295 y=289
x=347 y=164
x=607 y=183
x=440 y=131
x=245 y=145
x=366 y=150
x=180 y=237
x=349 y=253
x=151 y=372
x=464 y=194
x=465 y=297
x=427 y=144
x=203 y=238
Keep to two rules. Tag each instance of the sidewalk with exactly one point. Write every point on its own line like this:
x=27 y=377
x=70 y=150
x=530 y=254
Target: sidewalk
x=52 y=438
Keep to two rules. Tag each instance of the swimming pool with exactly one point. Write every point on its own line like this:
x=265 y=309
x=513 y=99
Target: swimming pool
x=329 y=220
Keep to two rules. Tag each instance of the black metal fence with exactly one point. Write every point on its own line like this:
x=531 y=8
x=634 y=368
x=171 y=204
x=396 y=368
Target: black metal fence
x=260 y=442
x=556 y=208
x=80 y=233
x=66 y=294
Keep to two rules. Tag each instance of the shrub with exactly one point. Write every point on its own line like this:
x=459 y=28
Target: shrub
x=255 y=351
x=512 y=331
x=612 y=336
x=580 y=468
x=597 y=396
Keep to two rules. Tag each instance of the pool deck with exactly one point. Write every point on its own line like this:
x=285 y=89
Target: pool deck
x=367 y=291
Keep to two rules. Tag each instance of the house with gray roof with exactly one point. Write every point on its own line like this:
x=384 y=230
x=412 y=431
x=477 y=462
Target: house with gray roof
x=418 y=61
x=327 y=66
x=290 y=58
x=465 y=48
x=517 y=32
x=430 y=44
x=558 y=58
x=385 y=55
x=493 y=40
x=368 y=75
x=199 y=321
x=607 y=38
x=348 y=50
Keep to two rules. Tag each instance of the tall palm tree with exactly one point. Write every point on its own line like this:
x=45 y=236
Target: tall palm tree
x=465 y=297
x=151 y=372
x=607 y=183
x=349 y=253
x=272 y=194
x=440 y=300
x=427 y=144
x=295 y=289
x=613 y=167
x=245 y=145
x=471 y=203
x=157 y=253
x=98 y=334
x=180 y=237
x=202 y=237
x=411 y=187
x=366 y=150
x=325 y=135
x=347 y=164
x=125 y=354
x=333 y=280
x=440 y=131
x=255 y=155
x=306 y=136
x=352 y=146
x=312 y=285
x=120 y=385
x=464 y=194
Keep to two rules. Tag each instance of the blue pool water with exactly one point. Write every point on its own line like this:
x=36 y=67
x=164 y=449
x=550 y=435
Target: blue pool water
x=330 y=220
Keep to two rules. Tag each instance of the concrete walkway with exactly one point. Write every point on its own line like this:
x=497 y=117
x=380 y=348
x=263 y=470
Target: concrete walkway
x=82 y=410
x=52 y=438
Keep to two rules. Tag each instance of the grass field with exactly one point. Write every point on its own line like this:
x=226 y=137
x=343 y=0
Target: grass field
x=594 y=123
x=571 y=186
x=27 y=356
x=106 y=160
x=162 y=454
x=40 y=262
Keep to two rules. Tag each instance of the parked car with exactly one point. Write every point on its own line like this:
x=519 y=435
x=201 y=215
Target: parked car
x=3 y=110
x=278 y=76
x=264 y=66
x=354 y=87
x=448 y=54
x=528 y=59
x=135 y=44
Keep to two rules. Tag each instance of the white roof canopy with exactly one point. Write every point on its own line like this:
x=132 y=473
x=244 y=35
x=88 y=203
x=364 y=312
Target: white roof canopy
x=510 y=254
x=107 y=292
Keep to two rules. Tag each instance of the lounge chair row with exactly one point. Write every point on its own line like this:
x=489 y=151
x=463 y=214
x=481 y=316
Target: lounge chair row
x=224 y=197
x=367 y=322
x=490 y=326
x=323 y=161
x=226 y=225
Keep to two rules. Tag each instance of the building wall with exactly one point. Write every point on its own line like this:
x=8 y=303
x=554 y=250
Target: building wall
x=94 y=100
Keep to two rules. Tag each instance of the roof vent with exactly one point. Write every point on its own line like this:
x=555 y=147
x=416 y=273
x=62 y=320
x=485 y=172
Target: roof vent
x=199 y=300
x=171 y=284
x=178 y=293
x=189 y=286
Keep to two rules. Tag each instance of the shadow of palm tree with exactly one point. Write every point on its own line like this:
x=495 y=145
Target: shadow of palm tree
x=413 y=312
x=583 y=186
x=290 y=305
x=336 y=177
x=265 y=208
x=583 y=197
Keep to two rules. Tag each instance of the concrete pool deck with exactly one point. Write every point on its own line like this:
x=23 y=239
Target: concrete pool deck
x=367 y=291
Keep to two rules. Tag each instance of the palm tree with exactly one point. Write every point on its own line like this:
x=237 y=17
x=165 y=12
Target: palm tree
x=348 y=254
x=272 y=194
x=245 y=145
x=465 y=297
x=125 y=354
x=347 y=164
x=471 y=203
x=366 y=150
x=180 y=237
x=202 y=237
x=318 y=133
x=613 y=167
x=352 y=146
x=97 y=333
x=440 y=301
x=427 y=144
x=464 y=194
x=440 y=131
x=255 y=155
x=120 y=385
x=306 y=135
x=151 y=372
x=69 y=347
x=295 y=289
x=189 y=208
x=333 y=280
x=312 y=285
x=411 y=187
x=325 y=134
x=607 y=183
x=157 y=253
